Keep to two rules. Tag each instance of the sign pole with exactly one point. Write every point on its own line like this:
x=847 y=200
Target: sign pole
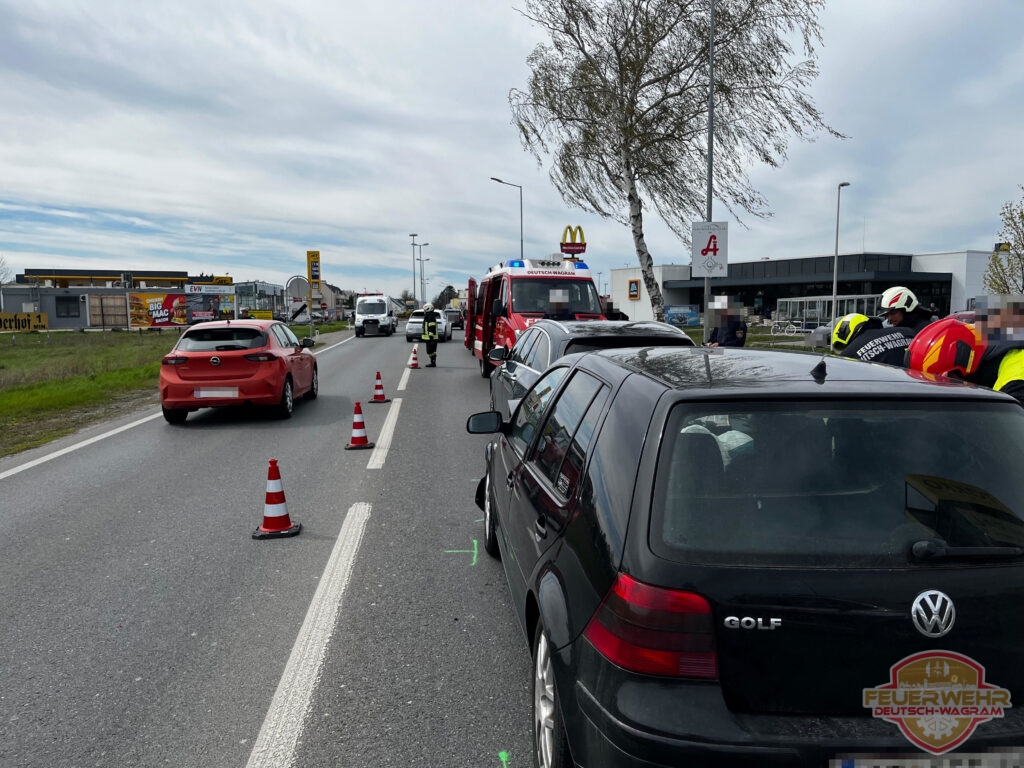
x=711 y=159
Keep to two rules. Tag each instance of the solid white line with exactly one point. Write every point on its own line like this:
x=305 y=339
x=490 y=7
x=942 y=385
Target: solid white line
x=383 y=443
x=404 y=381
x=75 y=447
x=282 y=727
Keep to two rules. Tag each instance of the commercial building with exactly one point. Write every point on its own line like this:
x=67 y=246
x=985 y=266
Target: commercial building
x=950 y=279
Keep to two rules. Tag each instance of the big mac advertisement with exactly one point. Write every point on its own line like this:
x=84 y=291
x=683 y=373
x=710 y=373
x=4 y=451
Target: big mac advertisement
x=157 y=310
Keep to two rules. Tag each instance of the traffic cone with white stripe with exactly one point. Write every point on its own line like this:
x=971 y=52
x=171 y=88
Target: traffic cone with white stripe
x=358 y=431
x=413 y=361
x=276 y=523
x=378 y=392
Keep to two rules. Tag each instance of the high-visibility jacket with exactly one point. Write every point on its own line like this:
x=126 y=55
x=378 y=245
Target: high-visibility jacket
x=429 y=326
x=1002 y=368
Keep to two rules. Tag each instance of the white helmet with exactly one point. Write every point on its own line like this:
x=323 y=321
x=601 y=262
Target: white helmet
x=427 y=307
x=899 y=297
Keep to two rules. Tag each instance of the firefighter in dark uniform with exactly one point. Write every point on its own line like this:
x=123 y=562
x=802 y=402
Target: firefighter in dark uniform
x=864 y=338
x=429 y=334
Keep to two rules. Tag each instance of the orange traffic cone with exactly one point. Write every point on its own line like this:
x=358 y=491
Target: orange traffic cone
x=413 y=361
x=276 y=523
x=378 y=392
x=358 y=431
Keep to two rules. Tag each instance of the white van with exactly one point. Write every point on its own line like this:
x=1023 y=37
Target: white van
x=374 y=315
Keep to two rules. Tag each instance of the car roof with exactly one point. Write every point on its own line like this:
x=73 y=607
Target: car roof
x=583 y=328
x=742 y=373
x=248 y=322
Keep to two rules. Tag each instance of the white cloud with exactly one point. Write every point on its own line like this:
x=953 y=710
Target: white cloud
x=236 y=136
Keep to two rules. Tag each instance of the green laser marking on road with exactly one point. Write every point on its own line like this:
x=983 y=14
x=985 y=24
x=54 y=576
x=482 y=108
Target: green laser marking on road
x=503 y=756
x=472 y=552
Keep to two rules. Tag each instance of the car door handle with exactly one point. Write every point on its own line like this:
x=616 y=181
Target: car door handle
x=540 y=528
x=510 y=480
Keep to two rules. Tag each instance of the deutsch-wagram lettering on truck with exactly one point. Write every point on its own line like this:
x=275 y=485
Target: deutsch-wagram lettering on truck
x=515 y=294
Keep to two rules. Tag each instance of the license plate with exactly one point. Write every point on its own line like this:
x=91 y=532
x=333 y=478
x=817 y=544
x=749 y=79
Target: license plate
x=217 y=392
x=1002 y=759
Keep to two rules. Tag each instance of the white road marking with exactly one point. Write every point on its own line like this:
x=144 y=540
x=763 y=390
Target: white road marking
x=282 y=727
x=75 y=447
x=383 y=444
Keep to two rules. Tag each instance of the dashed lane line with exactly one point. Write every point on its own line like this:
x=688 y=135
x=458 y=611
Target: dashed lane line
x=275 y=746
x=387 y=431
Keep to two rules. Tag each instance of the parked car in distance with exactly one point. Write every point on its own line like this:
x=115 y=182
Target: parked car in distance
x=964 y=316
x=455 y=318
x=237 y=362
x=547 y=340
x=721 y=557
x=414 y=326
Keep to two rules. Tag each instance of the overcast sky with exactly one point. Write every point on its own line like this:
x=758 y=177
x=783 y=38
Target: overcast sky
x=233 y=137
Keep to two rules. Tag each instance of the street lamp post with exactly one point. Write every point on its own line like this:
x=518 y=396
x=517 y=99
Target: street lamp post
x=510 y=184
x=413 y=236
x=423 y=289
x=835 y=260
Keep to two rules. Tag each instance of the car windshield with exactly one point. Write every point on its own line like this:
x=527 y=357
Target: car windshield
x=371 y=308
x=221 y=339
x=846 y=483
x=558 y=299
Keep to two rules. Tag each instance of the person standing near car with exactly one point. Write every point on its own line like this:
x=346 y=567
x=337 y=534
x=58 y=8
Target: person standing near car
x=902 y=309
x=732 y=330
x=429 y=334
x=864 y=338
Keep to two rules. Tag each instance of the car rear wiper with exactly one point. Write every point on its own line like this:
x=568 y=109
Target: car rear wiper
x=936 y=549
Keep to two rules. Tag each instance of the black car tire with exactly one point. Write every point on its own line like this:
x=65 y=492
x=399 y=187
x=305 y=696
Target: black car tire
x=287 y=404
x=408 y=338
x=314 y=388
x=175 y=415
x=550 y=746
x=490 y=524
x=485 y=368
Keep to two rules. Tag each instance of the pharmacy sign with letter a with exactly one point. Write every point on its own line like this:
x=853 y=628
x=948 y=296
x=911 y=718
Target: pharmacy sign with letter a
x=710 y=243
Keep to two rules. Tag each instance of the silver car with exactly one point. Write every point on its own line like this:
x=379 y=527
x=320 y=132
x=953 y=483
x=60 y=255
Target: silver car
x=414 y=326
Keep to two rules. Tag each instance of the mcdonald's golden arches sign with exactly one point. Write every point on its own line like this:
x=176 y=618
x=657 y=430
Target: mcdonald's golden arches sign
x=573 y=240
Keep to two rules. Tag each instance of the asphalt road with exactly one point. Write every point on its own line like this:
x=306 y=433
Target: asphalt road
x=141 y=625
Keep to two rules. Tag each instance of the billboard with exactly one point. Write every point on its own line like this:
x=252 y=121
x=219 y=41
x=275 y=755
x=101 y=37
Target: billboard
x=682 y=315
x=157 y=310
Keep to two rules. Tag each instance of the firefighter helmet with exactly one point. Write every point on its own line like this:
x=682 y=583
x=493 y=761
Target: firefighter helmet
x=899 y=297
x=946 y=346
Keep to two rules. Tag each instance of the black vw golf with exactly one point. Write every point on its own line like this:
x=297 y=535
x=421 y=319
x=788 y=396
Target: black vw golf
x=737 y=557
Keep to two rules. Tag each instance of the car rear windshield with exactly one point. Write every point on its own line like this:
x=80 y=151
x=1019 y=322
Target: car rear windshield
x=615 y=342
x=371 y=308
x=221 y=339
x=857 y=484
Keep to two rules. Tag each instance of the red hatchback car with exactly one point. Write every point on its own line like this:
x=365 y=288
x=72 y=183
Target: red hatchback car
x=237 y=362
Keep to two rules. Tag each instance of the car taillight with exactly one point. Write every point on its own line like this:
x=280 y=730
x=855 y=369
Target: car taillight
x=655 y=631
x=174 y=360
x=261 y=357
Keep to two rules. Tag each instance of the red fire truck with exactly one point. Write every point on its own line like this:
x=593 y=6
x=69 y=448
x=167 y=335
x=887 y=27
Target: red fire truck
x=515 y=294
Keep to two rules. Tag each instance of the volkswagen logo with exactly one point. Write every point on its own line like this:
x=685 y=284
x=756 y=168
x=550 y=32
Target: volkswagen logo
x=933 y=613
x=215 y=360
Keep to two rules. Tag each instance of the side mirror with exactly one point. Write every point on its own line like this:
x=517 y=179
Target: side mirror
x=497 y=308
x=497 y=354
x=484 y=423
x=307 y=342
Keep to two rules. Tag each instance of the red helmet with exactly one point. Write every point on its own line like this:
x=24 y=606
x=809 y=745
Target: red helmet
x=946 y=346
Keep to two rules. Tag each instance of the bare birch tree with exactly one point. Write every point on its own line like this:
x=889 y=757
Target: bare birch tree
x=1005 y=273
x=619 y=99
